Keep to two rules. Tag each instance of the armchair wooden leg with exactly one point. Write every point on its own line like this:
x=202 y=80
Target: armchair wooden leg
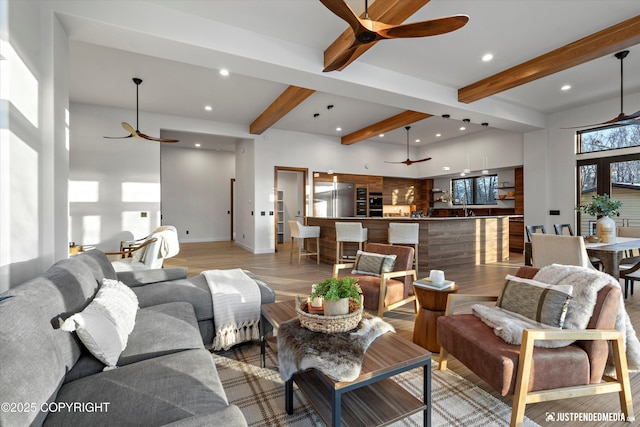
x=522 y=380
x=622 y=374
x=381 y=297
x=444 y=354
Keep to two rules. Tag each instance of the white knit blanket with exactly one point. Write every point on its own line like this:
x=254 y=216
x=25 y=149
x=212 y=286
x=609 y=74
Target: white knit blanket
x=236 y=307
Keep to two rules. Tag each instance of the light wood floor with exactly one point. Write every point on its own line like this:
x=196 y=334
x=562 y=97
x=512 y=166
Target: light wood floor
x=289 y=280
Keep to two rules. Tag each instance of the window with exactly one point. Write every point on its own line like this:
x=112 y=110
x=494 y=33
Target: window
x=608 y=138
x=617 y=176
x=480 y=190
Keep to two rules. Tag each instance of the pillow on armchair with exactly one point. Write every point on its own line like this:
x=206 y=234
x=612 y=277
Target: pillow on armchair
x=373 y=264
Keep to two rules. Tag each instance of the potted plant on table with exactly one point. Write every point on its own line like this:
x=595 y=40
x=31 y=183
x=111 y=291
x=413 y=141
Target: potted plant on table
x=603 y=208
x=337 y=293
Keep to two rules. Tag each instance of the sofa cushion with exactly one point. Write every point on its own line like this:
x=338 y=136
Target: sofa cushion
x=152 y=392
x=540 y=302
x=160 y=329
x=475 y=345
x=105 y=324
x=372 y=264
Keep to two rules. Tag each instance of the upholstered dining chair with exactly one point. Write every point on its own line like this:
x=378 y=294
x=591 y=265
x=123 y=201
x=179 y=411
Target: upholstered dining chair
x=300 y=233
x=532 y=374
x=566 y=230
x=550 y=249
x=385 y=274
x=149 y=252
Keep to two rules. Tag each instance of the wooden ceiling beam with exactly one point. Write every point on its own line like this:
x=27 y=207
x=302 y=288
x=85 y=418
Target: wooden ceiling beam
x=386 y=125
x=391 y=12
x=608 y=41
x=287 y=101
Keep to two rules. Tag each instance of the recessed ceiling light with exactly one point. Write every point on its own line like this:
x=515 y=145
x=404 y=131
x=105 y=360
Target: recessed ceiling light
x=446 y=168
x=438 y=135
x=197 y=144
x=462 y=128
x=417 y=140
x=224 y=72
x=208 y=107
x=381 y=135
x=565 y=87
x=338 y=129
x=487 y=57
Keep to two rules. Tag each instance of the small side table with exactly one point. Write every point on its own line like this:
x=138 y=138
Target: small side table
x=433 y=303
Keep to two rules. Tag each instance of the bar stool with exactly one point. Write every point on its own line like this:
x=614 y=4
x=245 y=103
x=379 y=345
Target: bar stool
x=349 y=232
x=406 y=234
x=299 y=231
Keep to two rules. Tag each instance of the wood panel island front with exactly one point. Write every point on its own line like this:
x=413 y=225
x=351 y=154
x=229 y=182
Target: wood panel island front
x=444 y=242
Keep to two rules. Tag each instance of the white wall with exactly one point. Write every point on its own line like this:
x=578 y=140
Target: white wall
x=33 y=150
x=196 y=192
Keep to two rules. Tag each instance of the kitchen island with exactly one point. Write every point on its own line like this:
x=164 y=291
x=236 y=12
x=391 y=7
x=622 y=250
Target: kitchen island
x=444 y=242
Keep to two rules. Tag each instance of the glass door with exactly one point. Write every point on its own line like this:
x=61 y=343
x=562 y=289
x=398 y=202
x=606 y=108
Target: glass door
x=625 y=186
x=588 y=187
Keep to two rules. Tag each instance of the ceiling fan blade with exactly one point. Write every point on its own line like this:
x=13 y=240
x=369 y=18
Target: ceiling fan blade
x=128 y=128
x=151 y=138
x=620 y=119
x=118 y=137
x=344 y=11
x=421 y=160
x=339 y=62
x=398 y=163
x=432 y=27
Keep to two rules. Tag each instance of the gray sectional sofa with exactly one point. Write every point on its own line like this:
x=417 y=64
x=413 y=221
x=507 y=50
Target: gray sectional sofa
x=165 y=375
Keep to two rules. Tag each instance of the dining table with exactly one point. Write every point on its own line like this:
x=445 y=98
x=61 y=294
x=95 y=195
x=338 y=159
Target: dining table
x=610 y=254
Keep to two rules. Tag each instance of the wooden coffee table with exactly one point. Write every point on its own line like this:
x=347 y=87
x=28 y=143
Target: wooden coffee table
x=373 y=398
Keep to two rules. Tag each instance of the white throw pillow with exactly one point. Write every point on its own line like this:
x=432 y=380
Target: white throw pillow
x=105 y=324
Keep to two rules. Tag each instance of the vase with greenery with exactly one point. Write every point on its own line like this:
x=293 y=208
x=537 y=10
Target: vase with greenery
x=447 y=197
x=603 y=208
x=336 y=293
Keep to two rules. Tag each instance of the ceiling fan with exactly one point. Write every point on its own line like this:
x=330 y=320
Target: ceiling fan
x=367 y=31
x=135 y=133
x=409 y=162
x=620 y=119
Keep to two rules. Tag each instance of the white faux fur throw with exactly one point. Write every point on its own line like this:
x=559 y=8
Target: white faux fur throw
x=339 y=356
x=586 y=283
x=236 y=307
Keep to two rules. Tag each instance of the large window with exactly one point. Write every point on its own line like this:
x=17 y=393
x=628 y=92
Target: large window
x=617 y=176
x=608 y=138
x=480 y=190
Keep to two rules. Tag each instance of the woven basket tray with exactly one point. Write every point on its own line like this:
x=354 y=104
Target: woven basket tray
x=329 y=324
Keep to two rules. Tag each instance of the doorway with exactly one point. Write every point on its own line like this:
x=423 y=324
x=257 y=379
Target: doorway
x=290 y=196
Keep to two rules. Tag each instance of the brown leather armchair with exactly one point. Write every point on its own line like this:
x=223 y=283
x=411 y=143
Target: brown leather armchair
x=390 y=290
x=535 y=374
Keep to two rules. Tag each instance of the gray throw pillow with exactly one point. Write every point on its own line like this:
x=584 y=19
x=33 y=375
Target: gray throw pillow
x=373 y=264
x=540 y=302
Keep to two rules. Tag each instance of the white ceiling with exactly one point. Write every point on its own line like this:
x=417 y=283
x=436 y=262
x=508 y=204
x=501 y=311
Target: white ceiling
x=176 y=47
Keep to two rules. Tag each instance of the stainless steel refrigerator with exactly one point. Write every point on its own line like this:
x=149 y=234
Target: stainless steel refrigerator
x=334 y=199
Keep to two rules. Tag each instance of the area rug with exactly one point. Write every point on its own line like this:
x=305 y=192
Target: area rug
x=259 y=393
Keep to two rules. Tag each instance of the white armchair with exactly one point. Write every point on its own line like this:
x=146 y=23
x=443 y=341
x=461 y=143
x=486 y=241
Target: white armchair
x=149 y=252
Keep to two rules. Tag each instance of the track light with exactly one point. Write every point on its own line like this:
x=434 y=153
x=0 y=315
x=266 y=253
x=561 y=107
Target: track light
x=467 y=121
x=446 y=116
x=485 y=125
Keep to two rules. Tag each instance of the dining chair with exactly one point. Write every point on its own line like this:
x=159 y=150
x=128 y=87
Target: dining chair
x=630 y=264
x=532 y=229
x=566 y=230
x=551 y=249
x=563 y=229
x=301 y=232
